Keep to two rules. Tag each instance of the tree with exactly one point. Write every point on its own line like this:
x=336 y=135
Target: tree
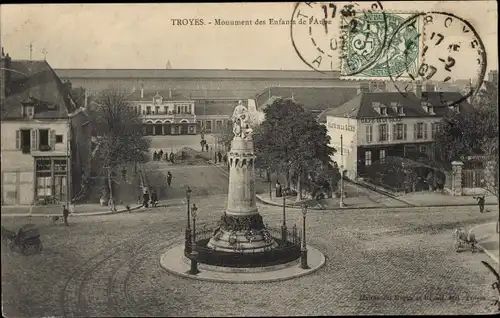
x=118 y=130
x=78 y=96
x=225 y=136
x=472 y=134
x=291 y=140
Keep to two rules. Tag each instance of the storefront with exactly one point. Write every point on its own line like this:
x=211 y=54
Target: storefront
x=51 y=181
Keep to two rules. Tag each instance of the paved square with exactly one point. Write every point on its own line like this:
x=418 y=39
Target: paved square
x=398 y=261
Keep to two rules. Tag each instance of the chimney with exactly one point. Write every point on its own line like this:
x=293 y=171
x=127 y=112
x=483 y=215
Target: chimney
x=142 y=92
x=86 y=99
x=68 y=86
x=429 y=87
x=418 y=89
x=493 y=76
x=169 y=93
x=363 y=87
x=4 y=74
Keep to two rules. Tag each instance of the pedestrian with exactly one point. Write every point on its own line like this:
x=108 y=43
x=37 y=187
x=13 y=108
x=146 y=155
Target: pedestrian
x=154 y=198
x=480 y=202
x=172 y=157
x=219 y=156
x=65 y=214
x=169 y=178
x=155 y=155
x=124 y=174
x=225 y=158
x=145 y=198
x=202 y=144
x=160 y=155
x=278 y=189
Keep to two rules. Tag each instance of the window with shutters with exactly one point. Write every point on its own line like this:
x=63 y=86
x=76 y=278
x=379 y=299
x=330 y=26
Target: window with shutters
x=418 y=131
x=43 y=140
x=369 y=134
x=23 y=140
x=398 y=131
x=405 y=129
x=425 y=130
x=434 y=130
x=383 y=135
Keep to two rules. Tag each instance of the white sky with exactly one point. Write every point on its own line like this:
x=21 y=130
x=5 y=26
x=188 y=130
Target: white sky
x=142 y=35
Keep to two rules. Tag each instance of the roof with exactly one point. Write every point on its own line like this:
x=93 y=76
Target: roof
x=165 y=94
x=192 y=73
x=35 y=81
x=361 y=106
x=217 y=108
x=312 y=98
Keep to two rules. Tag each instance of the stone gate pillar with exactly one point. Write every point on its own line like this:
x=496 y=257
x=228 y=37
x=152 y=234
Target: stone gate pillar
x=457 y=177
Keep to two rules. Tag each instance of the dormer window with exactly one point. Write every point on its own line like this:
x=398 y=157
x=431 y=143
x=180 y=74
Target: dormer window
x=157 y=99
x=397 y=108
x=29 y=111
x=383 y=110
x=428 y=108
x=455 y=108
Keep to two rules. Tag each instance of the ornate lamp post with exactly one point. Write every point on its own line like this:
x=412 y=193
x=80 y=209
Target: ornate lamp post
x=194 y=263
x=187 y=244
x=283 y=227
x=303 y=250
x=341 y=172
x=194 y=210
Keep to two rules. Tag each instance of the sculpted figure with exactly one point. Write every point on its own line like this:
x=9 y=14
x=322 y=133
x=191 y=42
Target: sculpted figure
x=240 y=121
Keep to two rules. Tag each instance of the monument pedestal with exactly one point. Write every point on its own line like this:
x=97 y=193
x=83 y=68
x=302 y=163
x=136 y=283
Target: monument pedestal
x=242 y=234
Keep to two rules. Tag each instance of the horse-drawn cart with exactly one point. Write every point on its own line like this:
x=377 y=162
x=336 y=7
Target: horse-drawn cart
x=464 y=239
x=26 y=238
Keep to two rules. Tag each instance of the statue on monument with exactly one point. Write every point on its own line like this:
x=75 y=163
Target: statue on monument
x=240 y=122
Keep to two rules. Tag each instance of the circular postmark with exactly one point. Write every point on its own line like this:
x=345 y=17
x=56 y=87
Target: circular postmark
x=449 y=51
x=328 y=35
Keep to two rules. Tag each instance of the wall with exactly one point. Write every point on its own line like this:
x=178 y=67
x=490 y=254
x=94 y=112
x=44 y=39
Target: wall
x=238 y=87
x=347 y=128
x=18 y=168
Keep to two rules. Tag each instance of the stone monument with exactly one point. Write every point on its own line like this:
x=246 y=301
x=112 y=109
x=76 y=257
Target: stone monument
x=241 y=228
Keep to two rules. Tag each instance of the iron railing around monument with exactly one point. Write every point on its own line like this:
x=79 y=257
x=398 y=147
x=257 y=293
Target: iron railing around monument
x=285 y=252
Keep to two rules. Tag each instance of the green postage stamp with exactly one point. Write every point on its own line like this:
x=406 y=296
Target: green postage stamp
x=381 y=45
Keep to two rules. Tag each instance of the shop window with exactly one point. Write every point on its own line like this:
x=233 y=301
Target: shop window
x=368 y=158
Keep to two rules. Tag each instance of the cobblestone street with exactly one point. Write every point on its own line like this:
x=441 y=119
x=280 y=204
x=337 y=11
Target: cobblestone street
x=398 y=261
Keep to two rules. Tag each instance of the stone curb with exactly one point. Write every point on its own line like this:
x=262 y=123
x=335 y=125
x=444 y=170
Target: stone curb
x=487 y=252
x=215 y=280
x=265 y=201
x=411 y=205
x=72 y=214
